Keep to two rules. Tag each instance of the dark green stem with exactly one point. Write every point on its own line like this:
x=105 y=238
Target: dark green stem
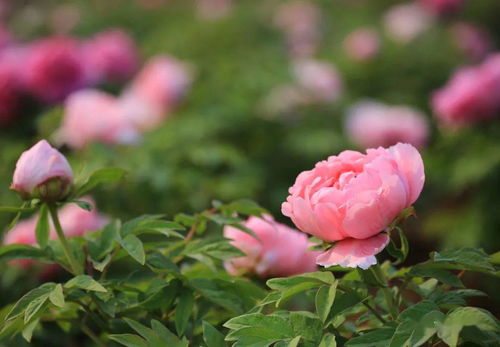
x=74 y=265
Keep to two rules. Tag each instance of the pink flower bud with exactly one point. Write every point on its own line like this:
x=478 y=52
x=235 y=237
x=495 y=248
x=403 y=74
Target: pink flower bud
x=110 y=56
x=362 y=44
x=321 y=80
x=372 y=124
x=277 y=251
x=351 y=198
x=42 y=171
x=55 y=68
x=405 y=22
x=94 y=116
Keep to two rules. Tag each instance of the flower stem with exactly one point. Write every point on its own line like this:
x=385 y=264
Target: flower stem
x=75 y=267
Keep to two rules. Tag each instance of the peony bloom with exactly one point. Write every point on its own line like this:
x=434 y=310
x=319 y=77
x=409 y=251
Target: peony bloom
x=442 y=7
x=156 y=89
x=362 y=44
x=321 y=80
x=74 y=221
x=110 y=56
x=351 y=198
x=55 y=69
x=472 y=40
x=278 y=250
x=94 y=116
x=372 y=124
x=42 y=171
x=472 y=95
x=405 y=22
x=299 y=20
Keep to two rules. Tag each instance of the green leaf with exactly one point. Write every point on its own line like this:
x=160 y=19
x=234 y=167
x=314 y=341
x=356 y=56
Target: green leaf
x=259 y=327
x=441 y=275
x=344 y=301
x=42 y=227
x=83 y=205
x=214 y=247
x=100 y=176
x=294 y=342
x=19 y=251
x=418 y=310
x=374 y=338
x=328 y=341
x=85 y=282
x=244 y=206
x=144 y=331
x=167 y=336
x=56 y=296
x=461 y=317
x=426 y=328
x=106 y=242
x=212 y=336
x=158 y=261
x=290 y=286
x=324 y=300
x=453 y=297
x=465 y=258
x=35 y=306
x=22 y=304
x=307 y=325
x=134 y=248
x=129 y=340
x=183 y=311
x=28 y=330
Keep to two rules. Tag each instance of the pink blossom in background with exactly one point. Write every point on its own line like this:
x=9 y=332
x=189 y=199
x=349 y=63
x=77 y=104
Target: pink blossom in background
x=213 y=9
x=55 y=68
x=472 y=40
x=352 y=197
x=405 y=22
x=321 y=80
x=5 y=36
x=39 y=165
x=74 y=221
x=362 y=44
x=471 y=95
x=110 y=56
x=372 y=124
x=277 y=251
x=442 y=7
x=10 y=91
x=94 y=116
x=156 y=89
x=299 y=20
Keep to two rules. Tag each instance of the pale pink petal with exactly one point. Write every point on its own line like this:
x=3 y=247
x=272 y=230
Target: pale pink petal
x=354 y=253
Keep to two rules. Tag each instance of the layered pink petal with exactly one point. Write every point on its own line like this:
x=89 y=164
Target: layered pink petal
x=354 y=253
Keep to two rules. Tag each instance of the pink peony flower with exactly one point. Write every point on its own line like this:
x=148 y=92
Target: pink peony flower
x=74 y=221
x=278 y=250
x=110 y=56
x=351 y=198
x=372 y=124
x=299 y=20
x=42 y=171
x=442 y=7
x=472 y=40
x=405 y=22
x=472 y=95
x=156 y=89
x=94 y=116
x=362 y=44
x=320 y=79
x=55 y=68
